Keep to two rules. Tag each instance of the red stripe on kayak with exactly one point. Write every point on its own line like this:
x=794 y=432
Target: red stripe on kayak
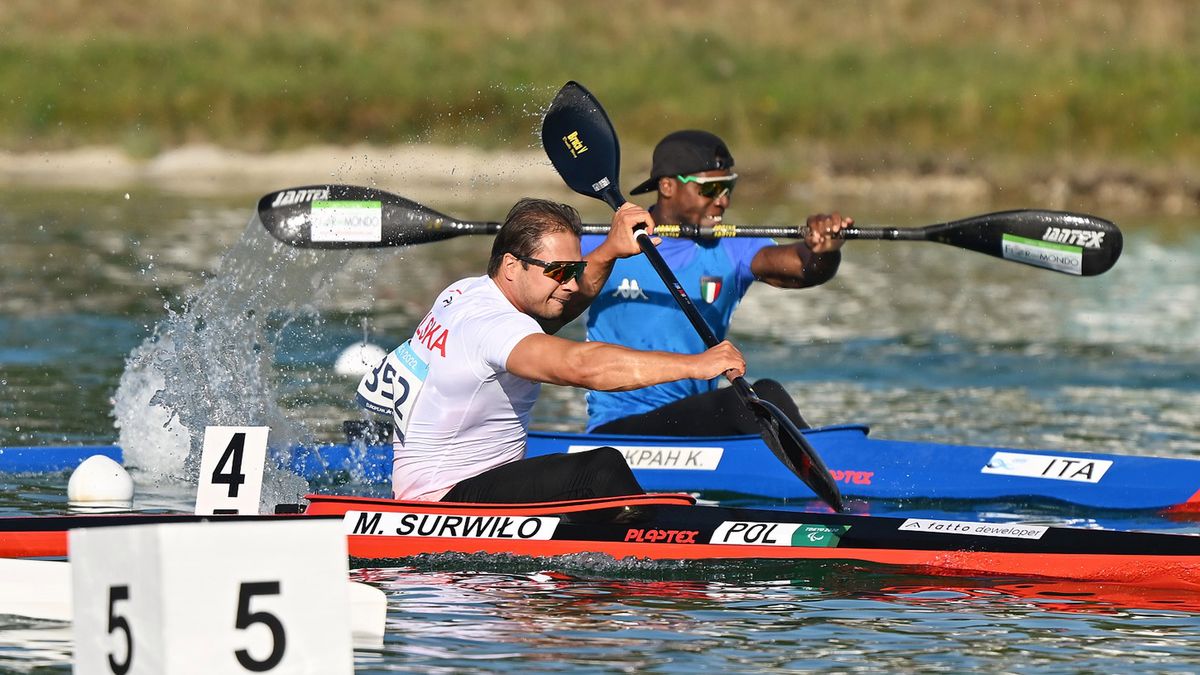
x=1191 y=506
x=20 y=542
x=323 y=505
x=1158 y=571
x=50 y=544
x=1175 y=572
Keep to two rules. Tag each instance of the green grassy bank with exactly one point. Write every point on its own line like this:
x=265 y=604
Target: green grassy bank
x=859 y=84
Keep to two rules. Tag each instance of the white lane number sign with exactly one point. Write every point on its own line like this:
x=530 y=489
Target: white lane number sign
x=231 y=470
x=228 y=597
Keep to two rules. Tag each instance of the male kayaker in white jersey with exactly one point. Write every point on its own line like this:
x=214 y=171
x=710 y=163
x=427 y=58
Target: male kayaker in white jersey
x=461 y=390
x=692 y=172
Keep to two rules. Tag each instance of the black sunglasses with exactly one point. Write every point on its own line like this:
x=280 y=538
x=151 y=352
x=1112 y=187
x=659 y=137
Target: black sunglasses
x=561 y=271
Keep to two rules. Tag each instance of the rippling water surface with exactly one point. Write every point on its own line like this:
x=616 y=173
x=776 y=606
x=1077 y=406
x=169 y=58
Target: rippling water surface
x=140 y=319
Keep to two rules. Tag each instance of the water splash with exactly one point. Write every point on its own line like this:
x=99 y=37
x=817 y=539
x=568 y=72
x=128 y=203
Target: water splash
x=211 y=362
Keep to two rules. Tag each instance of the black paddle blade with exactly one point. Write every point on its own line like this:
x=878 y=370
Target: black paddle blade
x=349 y=216
x=580 y=141
x=1071 y=243
x=794 y=451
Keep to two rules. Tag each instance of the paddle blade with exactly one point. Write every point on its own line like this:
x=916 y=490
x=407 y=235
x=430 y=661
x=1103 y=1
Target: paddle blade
x=1071 y=243
x=580 y=141
x=802 y=458
x=792 y=449
x=349 y=216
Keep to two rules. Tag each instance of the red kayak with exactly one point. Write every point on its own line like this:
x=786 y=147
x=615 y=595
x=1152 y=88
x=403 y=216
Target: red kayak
x=673 y=527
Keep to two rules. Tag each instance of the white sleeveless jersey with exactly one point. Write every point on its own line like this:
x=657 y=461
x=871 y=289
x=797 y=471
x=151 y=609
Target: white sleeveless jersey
x=469 y=414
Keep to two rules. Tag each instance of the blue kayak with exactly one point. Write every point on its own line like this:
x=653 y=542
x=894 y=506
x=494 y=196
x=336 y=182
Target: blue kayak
x=864 y=467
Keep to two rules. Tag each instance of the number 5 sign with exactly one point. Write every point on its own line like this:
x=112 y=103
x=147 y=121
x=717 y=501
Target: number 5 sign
x=229 y=597
x=231 y=470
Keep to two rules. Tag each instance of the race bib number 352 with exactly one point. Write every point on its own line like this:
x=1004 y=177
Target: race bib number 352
x=393 y=386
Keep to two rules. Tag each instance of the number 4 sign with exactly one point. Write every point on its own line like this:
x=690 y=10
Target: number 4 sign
x=228 y=597
x=231 y=470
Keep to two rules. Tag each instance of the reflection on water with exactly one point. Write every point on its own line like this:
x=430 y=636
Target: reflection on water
x=30 y=645
x=458 y=613
x=815 y=617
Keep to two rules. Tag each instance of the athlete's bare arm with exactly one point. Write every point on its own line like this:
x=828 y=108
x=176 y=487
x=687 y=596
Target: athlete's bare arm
x=606 y=367
x=811 y=262
x=621 y=242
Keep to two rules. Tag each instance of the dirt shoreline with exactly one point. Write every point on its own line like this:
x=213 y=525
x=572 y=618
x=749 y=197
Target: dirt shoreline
x=441 y=172
x=207 y=169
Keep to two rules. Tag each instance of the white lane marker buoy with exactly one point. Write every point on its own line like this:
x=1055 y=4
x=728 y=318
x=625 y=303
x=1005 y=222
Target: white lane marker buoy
x=358 y=359
x=100 y=481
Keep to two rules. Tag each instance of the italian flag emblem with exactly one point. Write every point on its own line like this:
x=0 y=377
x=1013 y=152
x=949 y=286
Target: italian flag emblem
x=710 y=289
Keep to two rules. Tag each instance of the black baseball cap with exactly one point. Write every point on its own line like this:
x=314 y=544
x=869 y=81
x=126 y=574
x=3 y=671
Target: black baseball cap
x=685 y=152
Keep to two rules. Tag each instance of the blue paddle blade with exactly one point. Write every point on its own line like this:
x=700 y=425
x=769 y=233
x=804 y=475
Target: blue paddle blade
x=580 y=141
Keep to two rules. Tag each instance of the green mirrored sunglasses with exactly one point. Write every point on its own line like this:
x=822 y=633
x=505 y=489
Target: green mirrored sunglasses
x=712 y=187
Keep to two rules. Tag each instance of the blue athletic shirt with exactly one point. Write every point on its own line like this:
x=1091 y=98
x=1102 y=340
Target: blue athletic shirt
x=634 y=309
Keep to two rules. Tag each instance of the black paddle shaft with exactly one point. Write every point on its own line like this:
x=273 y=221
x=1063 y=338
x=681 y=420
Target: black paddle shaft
x=348 y=216
x=811 y=469
x=681 y=297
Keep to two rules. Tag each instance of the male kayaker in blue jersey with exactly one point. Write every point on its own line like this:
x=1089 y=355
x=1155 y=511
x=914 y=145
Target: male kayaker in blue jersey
x=692 y=172
x=461 y=390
